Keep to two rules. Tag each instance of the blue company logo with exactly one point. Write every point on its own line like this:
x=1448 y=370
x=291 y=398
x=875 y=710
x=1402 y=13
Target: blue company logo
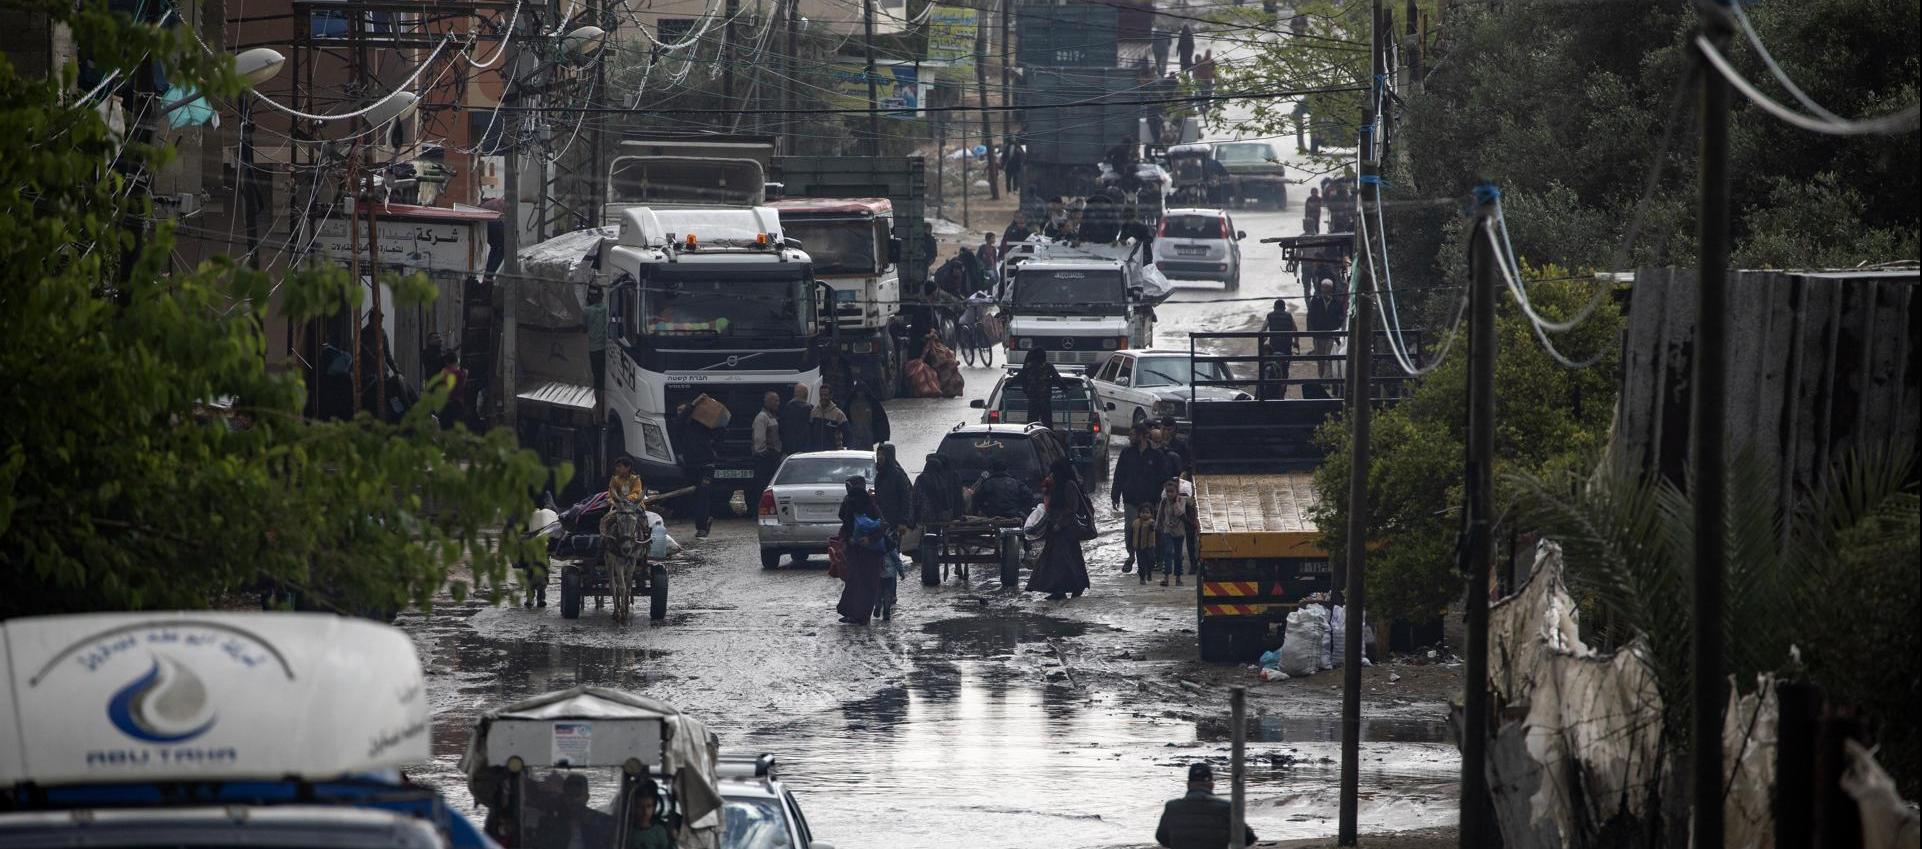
x=161 y=705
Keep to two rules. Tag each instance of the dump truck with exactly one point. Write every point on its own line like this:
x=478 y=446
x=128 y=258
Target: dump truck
x=1259 y=550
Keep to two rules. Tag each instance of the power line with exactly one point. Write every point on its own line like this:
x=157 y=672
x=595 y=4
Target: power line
x=1898 y=123
x=1255 y=95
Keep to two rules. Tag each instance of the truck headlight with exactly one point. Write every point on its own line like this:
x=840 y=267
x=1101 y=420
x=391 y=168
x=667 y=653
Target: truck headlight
x=1024 y=343
x=653 y=441
x=1111 y=343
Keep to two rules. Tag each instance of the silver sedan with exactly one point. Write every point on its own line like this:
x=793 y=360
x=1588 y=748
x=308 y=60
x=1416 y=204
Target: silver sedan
x=801 y=508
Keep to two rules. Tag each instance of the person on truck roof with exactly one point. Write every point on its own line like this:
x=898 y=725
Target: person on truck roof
x=1039 y=379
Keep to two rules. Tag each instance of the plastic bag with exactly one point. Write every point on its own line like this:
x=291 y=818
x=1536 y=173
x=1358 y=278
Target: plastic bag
x=1301 y=642
x=1268 y=674
x=1036 y=523
x=1271 y=659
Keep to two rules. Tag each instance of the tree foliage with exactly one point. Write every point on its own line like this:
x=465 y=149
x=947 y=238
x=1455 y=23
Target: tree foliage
x=151 y=459
x=1546 y=416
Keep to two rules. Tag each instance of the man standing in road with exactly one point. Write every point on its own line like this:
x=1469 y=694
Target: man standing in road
x=1205 y=81
x=696 y=441
x=1185 y=47
x=1325 y=317
x=767 y=443
x=1311 y=213
x=989 y=254
x=1199 y=820
x=796 y=416
x=1277 y=351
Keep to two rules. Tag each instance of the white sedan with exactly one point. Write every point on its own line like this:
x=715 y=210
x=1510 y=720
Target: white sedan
x=1144 y=385
x=801 y=508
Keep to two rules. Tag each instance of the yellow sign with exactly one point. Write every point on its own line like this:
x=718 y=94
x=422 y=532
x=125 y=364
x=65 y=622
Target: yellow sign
x=951 y=34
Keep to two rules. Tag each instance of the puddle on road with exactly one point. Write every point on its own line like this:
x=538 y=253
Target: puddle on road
x=981 y=736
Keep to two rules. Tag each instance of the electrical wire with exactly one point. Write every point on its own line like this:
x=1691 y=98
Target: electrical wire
x=1897 y=123
x=1502 y=262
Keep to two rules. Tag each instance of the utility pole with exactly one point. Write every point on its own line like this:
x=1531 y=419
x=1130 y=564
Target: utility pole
x=374 y=316
x=1361 y=339
x=874 y=114
x=507 y=280
x=981 y=93
x=1481 y=518
x=1711 y=409
x=729 y=37
x=1237 y=770
x=788 y=88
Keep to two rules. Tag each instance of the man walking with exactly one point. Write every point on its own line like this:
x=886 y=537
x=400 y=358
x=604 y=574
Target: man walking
x=1138 y=475
x=1185 y=46
x=1204 y=75
x=1311 y=213
x=1200 y=819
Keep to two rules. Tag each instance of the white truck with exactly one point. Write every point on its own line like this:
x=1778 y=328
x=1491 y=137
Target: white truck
x=705 y=295
x=1079 y=303
x=704 y=301
x=854 y=251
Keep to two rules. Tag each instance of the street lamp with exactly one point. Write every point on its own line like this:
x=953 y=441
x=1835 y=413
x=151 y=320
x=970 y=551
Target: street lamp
x=257 y=66
x=583 y=43
x=391 y=107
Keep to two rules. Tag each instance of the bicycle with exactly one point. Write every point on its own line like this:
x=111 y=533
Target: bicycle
x=979 y=331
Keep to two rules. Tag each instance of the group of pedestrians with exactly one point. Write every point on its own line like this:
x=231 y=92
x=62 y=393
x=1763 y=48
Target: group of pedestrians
x=793 y=426
x=1337 y=197
x=1152 y=488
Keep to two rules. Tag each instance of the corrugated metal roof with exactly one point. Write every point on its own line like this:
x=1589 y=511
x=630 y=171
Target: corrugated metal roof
x=1244 y=504
x=560 y=394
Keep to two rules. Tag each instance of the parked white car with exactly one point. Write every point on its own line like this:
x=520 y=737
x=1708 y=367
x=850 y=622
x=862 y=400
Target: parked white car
x=1137 y=386
x=1200 y=244
x=801 y=508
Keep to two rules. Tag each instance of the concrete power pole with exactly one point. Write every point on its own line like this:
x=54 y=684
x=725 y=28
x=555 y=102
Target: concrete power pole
x=874 y=114
x=507 y=280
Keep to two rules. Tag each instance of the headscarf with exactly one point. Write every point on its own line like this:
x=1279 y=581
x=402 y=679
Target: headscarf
x=858 y=498
x=1064 y=479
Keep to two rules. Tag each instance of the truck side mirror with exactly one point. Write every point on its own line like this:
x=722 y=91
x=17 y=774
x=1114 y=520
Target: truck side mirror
x=1240 y=234
x=894 y=250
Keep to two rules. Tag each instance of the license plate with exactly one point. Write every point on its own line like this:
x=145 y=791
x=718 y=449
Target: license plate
x=733 y=473
x=1191 y=250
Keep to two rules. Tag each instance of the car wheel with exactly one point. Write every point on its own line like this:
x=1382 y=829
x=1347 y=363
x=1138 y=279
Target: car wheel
x=570 y=594
x=771 y=558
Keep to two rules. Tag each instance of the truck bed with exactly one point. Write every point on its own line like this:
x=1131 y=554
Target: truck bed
x=1257 y=515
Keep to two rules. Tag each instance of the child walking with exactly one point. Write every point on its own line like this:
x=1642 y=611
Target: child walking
x=1172 y=520
x=1141 y=540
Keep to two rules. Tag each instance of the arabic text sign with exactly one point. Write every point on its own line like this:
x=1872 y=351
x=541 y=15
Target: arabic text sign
x=428 y=246
x=898 y=89
x=951 y=33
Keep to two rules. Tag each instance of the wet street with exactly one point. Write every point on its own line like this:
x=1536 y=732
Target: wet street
x=993 y=714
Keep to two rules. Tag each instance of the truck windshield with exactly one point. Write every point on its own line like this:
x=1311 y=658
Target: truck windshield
x=695 y=304
x=1244 y=152
x=843 y=246
x=1090 y=292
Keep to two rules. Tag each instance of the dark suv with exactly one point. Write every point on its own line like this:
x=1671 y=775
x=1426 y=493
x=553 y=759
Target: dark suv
x=1078 y=417
x=1029 y=449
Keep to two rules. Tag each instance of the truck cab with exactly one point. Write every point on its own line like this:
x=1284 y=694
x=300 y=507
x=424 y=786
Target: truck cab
x=854 y=251
x=703 y=301
x=1079 y=303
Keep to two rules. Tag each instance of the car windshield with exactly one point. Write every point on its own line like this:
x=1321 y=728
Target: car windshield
x=1173 y=371
x=836 y=246
x=969 y=453
x=823 y=470
x=754 y=824
x=723 y=306
x=1073 y=396
x=1194 y=227
x=1077 y=291
x=1245 y=152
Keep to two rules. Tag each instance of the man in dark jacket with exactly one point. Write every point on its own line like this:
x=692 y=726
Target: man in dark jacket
x=1138 y=475
x=1199 y=820
x=1277 y=351
x=695 y=444
x=1185 y=47
x=795 y=421
x=1326 y=316
x=1176 y=445
x=1001 y=495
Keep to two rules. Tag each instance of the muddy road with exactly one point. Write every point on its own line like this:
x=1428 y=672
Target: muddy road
x=978 y=717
